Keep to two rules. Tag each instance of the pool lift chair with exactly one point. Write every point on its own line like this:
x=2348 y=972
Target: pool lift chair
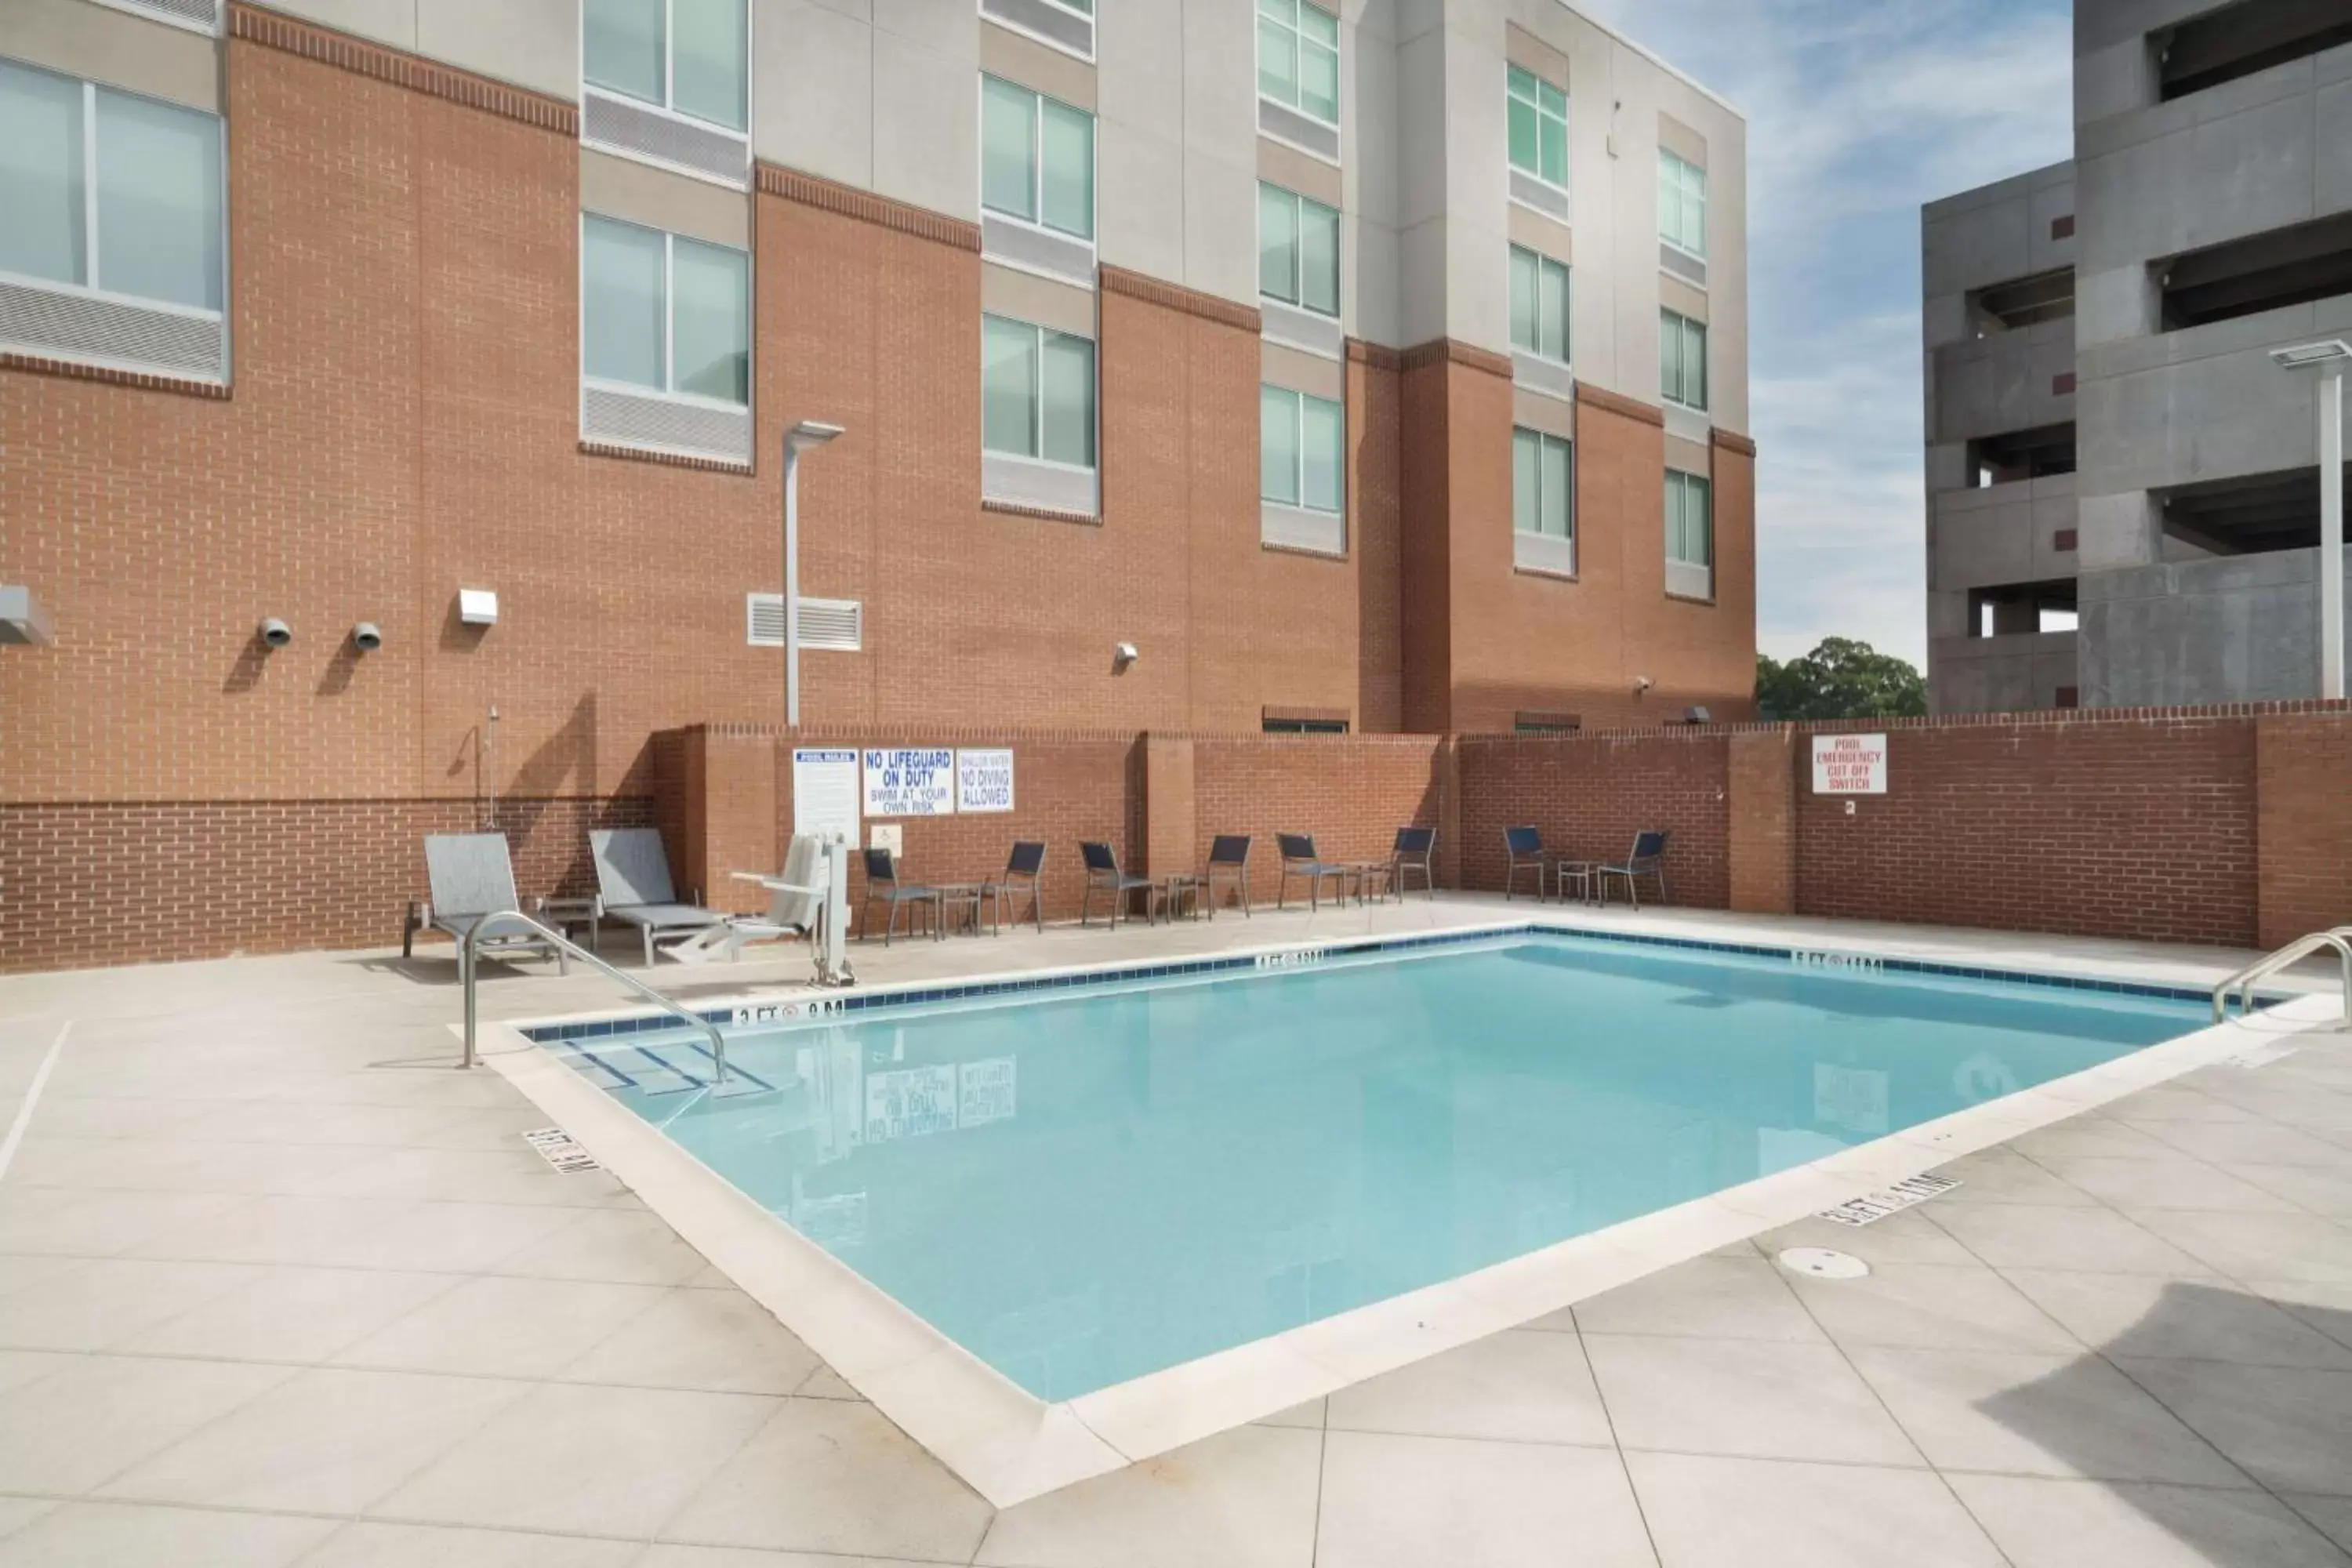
x=811 y=899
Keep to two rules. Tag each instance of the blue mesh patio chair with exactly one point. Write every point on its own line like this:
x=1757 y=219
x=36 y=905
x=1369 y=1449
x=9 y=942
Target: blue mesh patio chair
x=1020 y=876
x=883 y=886
x=1413 y=851
x=1299 y=859
x=1646 y=859
x=1228 y=859
x=1103 y=876
x=1523 y=850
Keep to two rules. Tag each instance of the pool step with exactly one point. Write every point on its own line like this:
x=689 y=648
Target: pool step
x=677 y=1068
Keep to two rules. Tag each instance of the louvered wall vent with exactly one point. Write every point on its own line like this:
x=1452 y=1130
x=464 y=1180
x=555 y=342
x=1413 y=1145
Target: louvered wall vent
x=1046 y=20
x=111 y=333
x=200 y=14
x=624 y=127
x=829 y=625
x=659 y=424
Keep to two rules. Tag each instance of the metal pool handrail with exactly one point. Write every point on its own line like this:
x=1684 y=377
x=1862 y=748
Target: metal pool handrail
x=516 y=917
x=2243 y=981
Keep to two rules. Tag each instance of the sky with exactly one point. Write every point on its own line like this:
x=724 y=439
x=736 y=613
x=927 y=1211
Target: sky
x=1858 y=111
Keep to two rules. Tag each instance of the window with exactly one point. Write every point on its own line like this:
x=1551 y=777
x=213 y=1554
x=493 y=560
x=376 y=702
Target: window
x=1298 y=57
x=1543 y=485
x=664 y=314
x=1301 y=451
x=1298 y=250
x=684 y=56
x=1682 y=360
x=1539 y=115
x=1037 y=158
x=1682 y=203
x=1272 y=724
x=1538 y=305
x=1690 y=519
x=108 y=192
x=1037 y=393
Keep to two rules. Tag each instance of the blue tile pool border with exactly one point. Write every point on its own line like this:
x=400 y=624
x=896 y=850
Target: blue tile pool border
x=799 y=1009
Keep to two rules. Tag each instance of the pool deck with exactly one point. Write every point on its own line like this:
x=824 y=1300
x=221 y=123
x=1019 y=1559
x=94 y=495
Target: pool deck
x=278 y=1285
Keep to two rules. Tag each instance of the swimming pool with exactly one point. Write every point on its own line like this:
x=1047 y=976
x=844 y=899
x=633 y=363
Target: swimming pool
x=1086 y=1180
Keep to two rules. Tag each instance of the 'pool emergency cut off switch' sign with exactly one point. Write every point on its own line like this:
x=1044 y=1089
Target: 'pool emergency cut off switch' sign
x=1849 y=764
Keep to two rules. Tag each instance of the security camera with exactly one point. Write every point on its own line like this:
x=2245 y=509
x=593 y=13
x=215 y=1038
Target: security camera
x=365 y=637
x=277 y=633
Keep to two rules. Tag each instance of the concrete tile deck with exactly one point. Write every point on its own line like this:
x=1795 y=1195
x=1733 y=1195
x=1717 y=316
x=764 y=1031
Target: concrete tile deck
x=278 y=1285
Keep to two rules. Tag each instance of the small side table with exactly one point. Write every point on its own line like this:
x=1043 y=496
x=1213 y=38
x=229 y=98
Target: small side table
x=1177 y=889
x=958 y=906
x=1580 y=873
x=565 y=913
x=1367 y=872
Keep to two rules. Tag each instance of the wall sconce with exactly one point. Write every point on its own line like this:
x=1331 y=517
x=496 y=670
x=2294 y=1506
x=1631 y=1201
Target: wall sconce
x=275 y=633
x=366 y=637
x=478 y=607
x=1124 y=655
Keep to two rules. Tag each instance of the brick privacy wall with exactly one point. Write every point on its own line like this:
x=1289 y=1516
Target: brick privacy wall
x=136 y=881
x=2137 y=828
x=2304 y=779
x=1761 y=766
x=1590 y=795
x=1351 y=792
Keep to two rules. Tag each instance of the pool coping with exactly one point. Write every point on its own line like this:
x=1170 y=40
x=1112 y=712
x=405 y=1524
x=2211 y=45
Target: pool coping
x=1009 y=1445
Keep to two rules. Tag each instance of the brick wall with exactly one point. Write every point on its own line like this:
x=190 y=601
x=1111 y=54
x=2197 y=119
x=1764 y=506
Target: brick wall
x=1590 y=795
x=2120 y=826
x=1350 y=792
x=141 y=881
x=2302 y=777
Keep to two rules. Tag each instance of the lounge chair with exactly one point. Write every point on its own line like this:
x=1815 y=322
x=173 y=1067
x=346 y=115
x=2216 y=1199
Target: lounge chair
x=1020 y=869
x=1523 y=850
x=1413 y=851
x=633 y=879
x=1646 y=859
x=471 y=877
x=796 y=904
x=1299 y=859
x=1103 y=876
x=883 y=886
x=1228 y=858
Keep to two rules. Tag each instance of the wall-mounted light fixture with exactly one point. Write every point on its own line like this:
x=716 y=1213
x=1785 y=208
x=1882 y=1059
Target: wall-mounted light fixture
x=1124 y=655
x=478 y=607
x=275 y=633
x=366 y=637
x=21 y=620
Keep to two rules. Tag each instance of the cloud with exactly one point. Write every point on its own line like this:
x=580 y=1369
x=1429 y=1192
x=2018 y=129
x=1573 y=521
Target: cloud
x=1858 y=111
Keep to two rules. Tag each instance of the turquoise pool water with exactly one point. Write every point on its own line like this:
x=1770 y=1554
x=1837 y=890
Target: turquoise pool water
x=1084 y=1187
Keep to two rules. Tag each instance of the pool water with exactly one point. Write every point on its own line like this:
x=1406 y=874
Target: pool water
x=1099 y=1183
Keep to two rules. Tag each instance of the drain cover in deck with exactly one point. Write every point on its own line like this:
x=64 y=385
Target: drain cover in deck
x=1824 y=1263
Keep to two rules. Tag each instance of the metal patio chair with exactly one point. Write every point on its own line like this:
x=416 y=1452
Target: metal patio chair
x=1299 y=859
x=1523 y=850
x=883 y=886
x=1103 y=876
x=633 y=879
x=1229 y=859
x=1020 y=874
x=1646 y=859
x=1414 y=849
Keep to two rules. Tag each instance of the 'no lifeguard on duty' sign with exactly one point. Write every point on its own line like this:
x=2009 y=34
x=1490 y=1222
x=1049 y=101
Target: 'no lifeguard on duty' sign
x=1849 y=764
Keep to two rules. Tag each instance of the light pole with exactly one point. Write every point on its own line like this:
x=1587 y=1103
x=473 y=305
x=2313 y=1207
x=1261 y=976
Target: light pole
x=2330 y=358
x=807 y=433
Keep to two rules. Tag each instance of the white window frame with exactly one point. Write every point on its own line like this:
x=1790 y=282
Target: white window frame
x=1668 y=163
x=1681 y=323
x=1300 y=42
x=668 y=109
x=1298 y=401
x=1705 y=490
x=1037 y=398
x=1567 y=287
x=96 y=288
x=1567 y=151
x=1543 y=439
x=1037 y=164
x=1299 y=203
x=667 y=392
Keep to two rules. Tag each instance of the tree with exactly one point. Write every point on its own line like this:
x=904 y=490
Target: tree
x=1842 y=678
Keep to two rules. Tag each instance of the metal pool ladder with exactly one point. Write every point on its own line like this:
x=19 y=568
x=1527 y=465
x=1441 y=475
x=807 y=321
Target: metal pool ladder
x=468 y=967
x=2242 y=983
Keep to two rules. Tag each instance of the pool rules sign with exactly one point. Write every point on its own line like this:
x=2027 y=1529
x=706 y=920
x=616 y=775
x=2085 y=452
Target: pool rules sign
x=1849 y=764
